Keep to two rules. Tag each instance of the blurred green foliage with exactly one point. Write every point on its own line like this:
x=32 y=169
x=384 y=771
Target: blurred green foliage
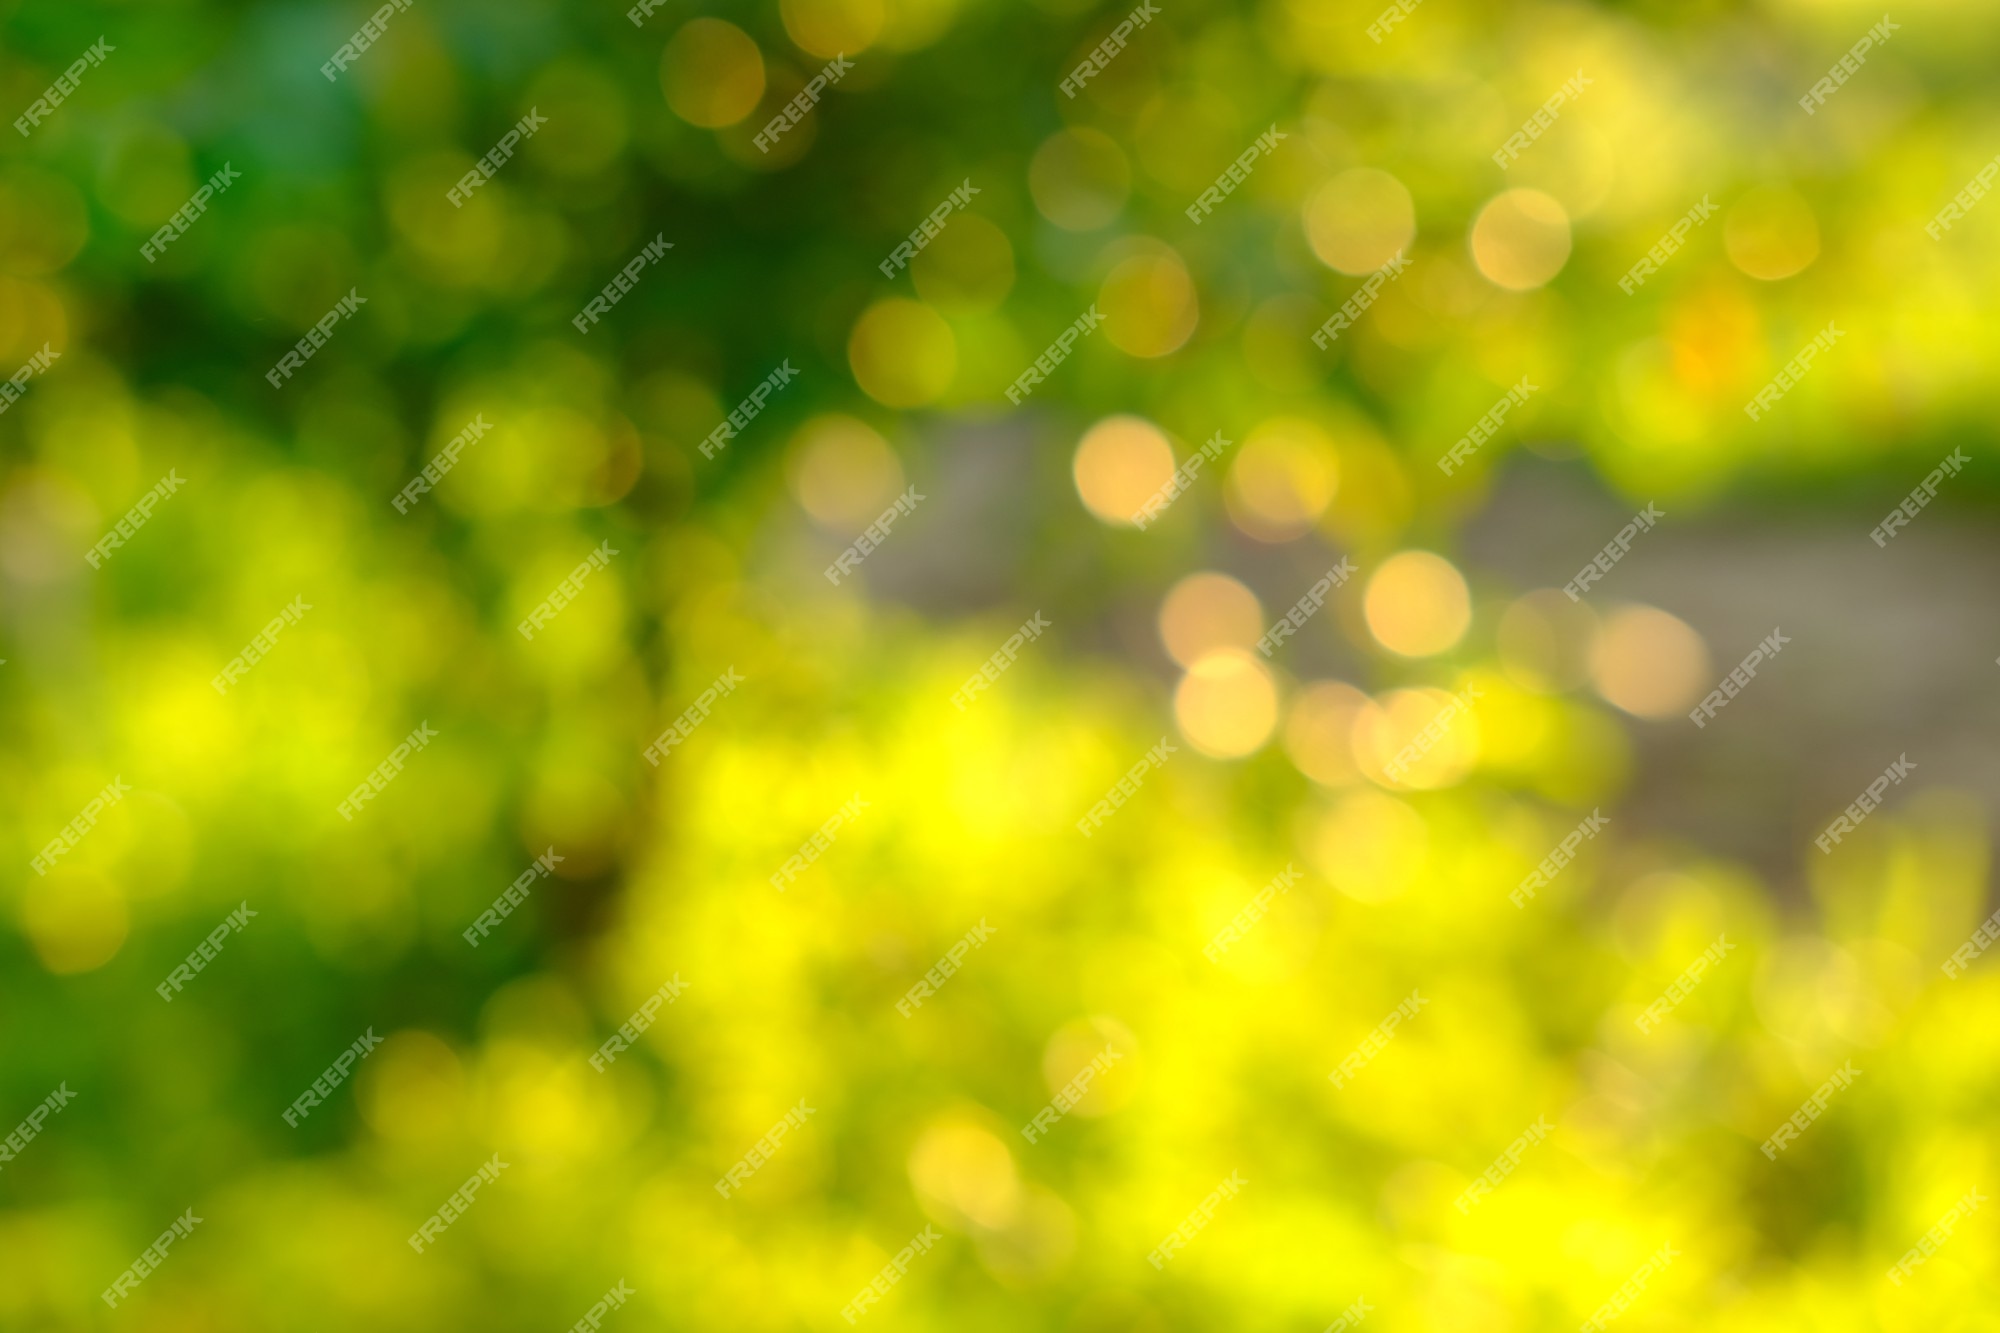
x=970 y=814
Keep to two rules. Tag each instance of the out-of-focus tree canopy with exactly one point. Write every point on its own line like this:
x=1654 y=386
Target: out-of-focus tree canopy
x=1290 y=937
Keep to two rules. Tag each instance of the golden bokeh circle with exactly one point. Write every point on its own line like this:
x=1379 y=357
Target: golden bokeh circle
x=841 y=471
x=1649 y=662
x=1227 y=704
x=1319 y=732
x=1357 y=221
x=1284 y=476
x=1420 y=739
x=1521 y=239
x=1207 y=611
x=1120 y=464
x=1417 y=604
x=712 y=73
x=902 y=353
x=1771 y=233
x=829 y=28
x=1149 y=305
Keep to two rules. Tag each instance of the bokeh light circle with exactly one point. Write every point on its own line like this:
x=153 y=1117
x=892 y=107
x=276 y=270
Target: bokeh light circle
x=1284 y=476
x=1121 y=463
x=712 y=73
x=829 y=28
x=1079 y=179
x=1319 y=732
x=1417 y=604
x=1148 y=303
x=1227 y=704
x=1207 y=611
x=902 y=353
x=1771 y=233
x=1357 y=221
x=841 y=471
x=1648 y=662
x=1521 y=239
